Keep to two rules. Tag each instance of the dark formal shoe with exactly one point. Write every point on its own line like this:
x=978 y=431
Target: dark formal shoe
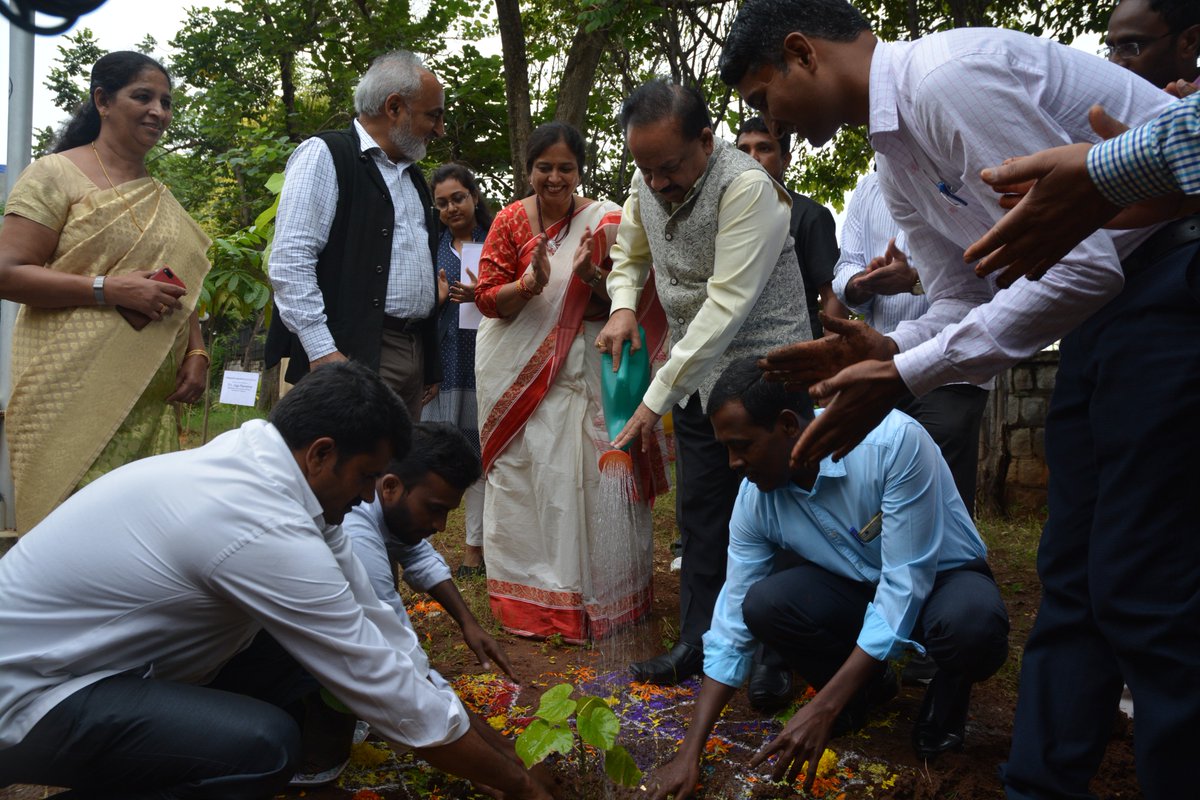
x=770 y=688
x=877 y=693
x=682 y=662
x=942 y=721
x=918 y=671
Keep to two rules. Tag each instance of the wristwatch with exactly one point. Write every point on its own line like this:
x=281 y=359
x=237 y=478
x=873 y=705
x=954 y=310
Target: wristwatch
x=597 y=278
x=98 y=289
x=917 y=288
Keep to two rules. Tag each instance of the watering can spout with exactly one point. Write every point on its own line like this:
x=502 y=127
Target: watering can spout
x=616 y=460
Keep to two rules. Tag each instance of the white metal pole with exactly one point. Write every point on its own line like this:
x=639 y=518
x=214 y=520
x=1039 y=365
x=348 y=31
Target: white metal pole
x=20 y=146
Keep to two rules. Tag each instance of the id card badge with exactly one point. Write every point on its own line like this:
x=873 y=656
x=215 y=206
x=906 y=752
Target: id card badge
x=870 y=532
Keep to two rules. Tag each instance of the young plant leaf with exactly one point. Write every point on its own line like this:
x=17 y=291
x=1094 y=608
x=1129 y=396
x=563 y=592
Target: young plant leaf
x=619 y=767
x=556 y=704
x=598 y=726
x=540 y=740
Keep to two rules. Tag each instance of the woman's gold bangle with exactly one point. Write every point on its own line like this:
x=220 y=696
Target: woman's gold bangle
x=526 y=291
x=199 y=351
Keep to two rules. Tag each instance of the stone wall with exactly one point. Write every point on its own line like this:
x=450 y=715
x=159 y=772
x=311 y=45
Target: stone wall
x=1012 y=447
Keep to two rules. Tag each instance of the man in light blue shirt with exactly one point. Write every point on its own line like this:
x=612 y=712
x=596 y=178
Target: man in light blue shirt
x=889 y=561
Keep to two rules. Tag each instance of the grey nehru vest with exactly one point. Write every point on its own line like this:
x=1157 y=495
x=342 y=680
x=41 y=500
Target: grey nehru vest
x=683 y=248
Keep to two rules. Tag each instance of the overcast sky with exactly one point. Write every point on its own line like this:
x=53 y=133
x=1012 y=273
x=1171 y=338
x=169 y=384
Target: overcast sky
x=118 y=25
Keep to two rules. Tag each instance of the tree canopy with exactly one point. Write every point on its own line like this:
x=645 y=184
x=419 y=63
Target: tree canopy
x=255 y=77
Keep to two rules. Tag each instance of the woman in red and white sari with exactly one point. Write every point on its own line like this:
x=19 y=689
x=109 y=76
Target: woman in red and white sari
x=541 y=289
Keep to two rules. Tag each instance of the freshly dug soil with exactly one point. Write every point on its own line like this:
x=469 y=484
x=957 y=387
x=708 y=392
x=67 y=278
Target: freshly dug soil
x=876 y=762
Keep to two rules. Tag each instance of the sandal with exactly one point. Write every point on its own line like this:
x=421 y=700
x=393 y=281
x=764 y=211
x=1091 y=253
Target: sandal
x=464 y=571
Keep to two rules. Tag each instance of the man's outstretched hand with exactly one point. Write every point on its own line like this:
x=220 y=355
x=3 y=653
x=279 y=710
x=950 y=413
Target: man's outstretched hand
x=856 y=400
x=845 y=342
x=1053 y=206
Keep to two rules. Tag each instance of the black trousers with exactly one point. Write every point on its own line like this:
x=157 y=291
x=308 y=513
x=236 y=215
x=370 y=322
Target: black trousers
x=813 y=617
x=704 y=495
x=129 y=738
x=952 y=415
x=1119 y=559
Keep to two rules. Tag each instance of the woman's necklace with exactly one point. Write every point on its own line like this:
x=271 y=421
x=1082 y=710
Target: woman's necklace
x=128 y=207
x=553 y=244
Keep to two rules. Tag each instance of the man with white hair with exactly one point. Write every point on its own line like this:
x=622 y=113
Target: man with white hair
x=352 y=264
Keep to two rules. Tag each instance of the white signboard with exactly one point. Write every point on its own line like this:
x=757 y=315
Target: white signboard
x=239 y=388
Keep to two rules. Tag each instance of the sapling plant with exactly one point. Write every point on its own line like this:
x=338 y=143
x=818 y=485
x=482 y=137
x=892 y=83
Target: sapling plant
x=595 y=725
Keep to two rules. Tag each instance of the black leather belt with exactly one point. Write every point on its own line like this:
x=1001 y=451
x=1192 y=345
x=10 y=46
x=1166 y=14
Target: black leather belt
x=1174 y=234
x=402 y=325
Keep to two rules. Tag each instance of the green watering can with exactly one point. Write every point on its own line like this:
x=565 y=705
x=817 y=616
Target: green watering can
x=621 y=392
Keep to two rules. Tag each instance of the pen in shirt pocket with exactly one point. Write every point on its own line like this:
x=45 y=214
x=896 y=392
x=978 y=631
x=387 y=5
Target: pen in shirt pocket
x=870 y=532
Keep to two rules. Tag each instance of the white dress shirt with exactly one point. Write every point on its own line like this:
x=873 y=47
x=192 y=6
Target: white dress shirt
x=307 y=205
x=943 y=108
x=866 y=231
x=168 y=567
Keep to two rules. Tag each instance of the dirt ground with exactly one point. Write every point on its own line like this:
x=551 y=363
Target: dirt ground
x=877 y=762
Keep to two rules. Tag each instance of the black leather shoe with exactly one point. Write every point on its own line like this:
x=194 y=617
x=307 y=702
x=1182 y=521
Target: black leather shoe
x=919 y=670
x=942 y=721
x=682 y=662
x=770 y=688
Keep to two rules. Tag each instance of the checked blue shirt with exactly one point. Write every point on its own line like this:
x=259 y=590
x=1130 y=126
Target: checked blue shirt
x=1158 y=158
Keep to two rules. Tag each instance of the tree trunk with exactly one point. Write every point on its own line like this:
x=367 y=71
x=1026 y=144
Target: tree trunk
x=579 y=76
x=287 y=84
x=913 y=17
x=516 y=89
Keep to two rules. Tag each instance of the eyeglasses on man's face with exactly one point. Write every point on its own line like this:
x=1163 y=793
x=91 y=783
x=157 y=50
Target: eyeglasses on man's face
x=1130 y=49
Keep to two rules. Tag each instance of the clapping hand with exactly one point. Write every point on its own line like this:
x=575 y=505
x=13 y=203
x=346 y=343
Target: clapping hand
x=889 y=273
x=846 y=342
x=582 y=264
x=464 y=292
x=1053 y=206
x=540 y=265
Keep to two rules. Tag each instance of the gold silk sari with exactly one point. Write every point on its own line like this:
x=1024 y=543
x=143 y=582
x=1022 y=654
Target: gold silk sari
x=88 y=390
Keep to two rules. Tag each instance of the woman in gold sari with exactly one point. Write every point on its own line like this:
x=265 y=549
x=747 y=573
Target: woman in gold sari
x=84 y=230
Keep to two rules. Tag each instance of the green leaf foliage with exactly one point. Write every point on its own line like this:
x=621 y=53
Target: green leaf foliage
x=541 y=739
x=598 y=726
x=556 y=704
x=620 y=767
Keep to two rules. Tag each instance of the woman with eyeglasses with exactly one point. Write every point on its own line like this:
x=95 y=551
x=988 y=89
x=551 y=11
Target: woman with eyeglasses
x=465 y=218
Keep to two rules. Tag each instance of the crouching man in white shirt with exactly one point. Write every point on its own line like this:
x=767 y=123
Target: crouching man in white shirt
x=121 y=610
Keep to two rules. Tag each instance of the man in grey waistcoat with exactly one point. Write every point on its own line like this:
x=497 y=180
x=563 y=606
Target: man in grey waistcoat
x=714 y=225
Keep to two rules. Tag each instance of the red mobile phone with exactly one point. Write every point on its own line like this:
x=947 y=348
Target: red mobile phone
x=137 y=319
